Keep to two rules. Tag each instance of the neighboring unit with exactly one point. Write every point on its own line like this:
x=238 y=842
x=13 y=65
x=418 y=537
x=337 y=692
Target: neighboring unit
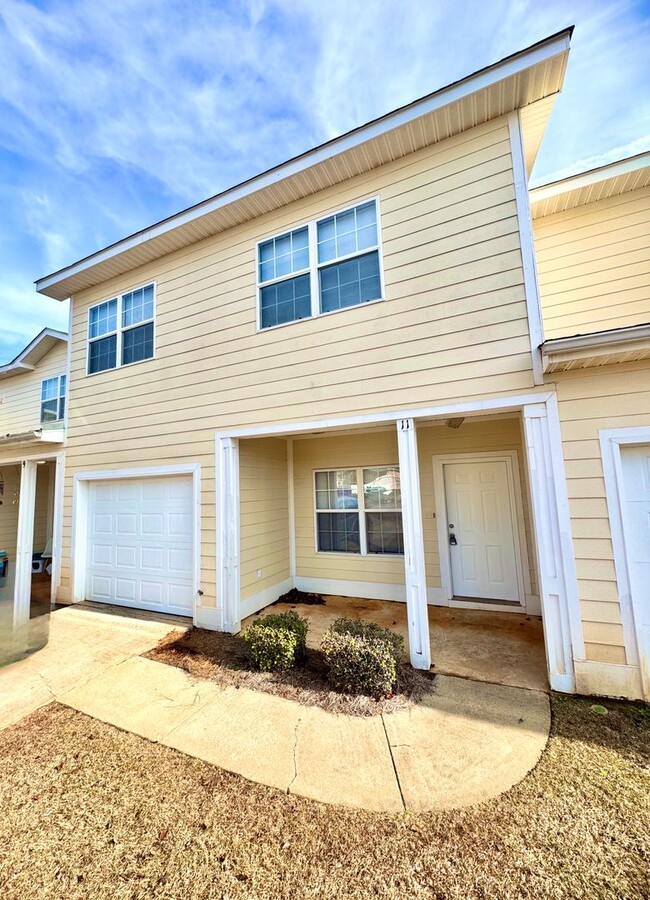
x=33 y=396
x=331 y=377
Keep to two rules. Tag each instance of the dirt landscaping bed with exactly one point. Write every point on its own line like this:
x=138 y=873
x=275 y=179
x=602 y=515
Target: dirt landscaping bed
x=89 y=811
x=222 y=658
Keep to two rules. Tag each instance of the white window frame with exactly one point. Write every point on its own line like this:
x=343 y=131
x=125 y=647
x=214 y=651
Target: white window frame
x=121 y=329
x=360 y=510
x=59 y=396
x=313 y=270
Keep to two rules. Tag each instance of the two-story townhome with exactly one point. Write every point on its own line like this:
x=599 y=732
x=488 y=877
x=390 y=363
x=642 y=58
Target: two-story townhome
x=592 y=240
x=32 y=438
x=331 y=377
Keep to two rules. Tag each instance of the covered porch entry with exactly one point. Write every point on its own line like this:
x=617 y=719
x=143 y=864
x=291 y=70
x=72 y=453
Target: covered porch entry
x=459 y=508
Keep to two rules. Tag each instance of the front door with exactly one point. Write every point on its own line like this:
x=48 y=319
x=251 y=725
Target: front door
x=481 y=530
x=636 y=523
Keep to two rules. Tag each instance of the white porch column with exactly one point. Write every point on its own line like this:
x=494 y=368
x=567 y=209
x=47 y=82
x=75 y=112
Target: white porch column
x=552 y=525
x=416 y=582
x=25 y=542
x=228 y=600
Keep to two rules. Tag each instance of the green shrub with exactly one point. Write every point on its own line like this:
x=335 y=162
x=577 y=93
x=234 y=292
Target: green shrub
x=362 y=657
x=276 y=642
x=371 y=631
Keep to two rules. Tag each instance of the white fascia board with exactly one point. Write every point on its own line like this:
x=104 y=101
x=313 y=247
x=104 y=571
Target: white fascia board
x=482 y=80
x=597 y=339
x=593 y=176
x=19 y=364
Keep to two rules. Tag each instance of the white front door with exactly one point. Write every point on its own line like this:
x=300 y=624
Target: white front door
x=480 y=530
x=636 y=523
x=140 y=543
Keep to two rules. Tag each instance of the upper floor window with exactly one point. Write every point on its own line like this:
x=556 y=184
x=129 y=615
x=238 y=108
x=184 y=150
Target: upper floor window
x=121 y=330
x=53 y=399
x=328 y=264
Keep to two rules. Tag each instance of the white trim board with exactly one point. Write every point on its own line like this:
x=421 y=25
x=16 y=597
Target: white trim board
x=528 y=258
x=80 y=497
x=611 y=442
x=511 y=459
x=264 y=597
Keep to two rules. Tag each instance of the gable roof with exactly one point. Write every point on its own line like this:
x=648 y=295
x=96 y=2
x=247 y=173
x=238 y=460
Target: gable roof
x=28 y=359
x=528 y=80
x=619 y=177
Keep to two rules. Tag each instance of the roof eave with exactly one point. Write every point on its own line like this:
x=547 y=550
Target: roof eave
x=61 y=284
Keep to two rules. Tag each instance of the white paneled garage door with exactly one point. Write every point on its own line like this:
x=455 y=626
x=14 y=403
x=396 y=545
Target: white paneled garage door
x=140 y=543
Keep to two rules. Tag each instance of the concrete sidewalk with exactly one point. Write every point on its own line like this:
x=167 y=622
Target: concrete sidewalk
x=468 y=742
x=83 y=642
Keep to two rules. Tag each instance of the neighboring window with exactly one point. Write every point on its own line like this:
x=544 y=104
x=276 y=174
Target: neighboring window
x=120 y=331
x=341 y=269
x=53 y=399
x=359 y=511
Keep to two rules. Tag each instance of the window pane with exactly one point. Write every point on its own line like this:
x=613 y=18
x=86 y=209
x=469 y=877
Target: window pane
x=350 y=283
x=339 y=532
x=381 y=488
x=63 y=385
x=49 y=410
x=137 y=344
x=103 y=318
x=283 y=255
x=347 y=232
x=62 y=408
x=286 y=302
x=50 y=389
x=137 y=306
x=384 y=532
x=102 y=354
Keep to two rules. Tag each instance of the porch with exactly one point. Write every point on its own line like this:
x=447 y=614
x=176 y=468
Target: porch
x=453 y=527
x=482 y=645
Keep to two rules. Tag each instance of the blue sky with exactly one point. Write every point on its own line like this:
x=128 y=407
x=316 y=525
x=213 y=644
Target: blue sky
x=115 y=115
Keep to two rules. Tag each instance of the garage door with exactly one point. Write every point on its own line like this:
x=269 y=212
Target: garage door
x=140 y=544
x=636 y=514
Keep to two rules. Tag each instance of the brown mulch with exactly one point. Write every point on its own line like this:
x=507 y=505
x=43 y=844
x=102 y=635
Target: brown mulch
x=89 y=811
x=220 y=657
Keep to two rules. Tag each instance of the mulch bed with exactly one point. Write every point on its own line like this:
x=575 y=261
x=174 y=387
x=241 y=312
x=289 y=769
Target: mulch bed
x=89 y=811
x=222 y=658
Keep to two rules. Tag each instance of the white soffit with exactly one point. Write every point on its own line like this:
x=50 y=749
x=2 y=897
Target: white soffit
x=629 y=174
x=514 y=83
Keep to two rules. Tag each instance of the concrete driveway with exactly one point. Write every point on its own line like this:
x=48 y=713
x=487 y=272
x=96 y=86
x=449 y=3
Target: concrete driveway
x=84 y=641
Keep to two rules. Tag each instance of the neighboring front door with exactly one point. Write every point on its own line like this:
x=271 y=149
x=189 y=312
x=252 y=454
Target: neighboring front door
x=636 y=523
x=481 y=530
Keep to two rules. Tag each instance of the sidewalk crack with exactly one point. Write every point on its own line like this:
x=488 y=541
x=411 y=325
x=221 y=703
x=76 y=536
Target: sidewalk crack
x=295 y=761
x=392 y=759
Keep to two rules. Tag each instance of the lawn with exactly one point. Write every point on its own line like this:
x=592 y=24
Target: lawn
x=90 y=811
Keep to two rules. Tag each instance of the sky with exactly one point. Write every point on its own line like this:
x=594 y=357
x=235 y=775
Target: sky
x=116 y=115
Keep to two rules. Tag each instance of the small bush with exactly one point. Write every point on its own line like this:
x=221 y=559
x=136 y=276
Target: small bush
x=362 y=657
x=277 y=642
x=371 y=631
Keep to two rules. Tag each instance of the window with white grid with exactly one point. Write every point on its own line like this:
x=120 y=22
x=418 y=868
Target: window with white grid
x=53 y=399
x=121 y=330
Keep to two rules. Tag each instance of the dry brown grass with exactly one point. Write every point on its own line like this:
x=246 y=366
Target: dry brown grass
x=221 y=658
x=89 y=811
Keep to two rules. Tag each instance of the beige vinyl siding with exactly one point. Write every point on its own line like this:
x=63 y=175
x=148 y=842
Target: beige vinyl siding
x=42 y=509
x=453 y=325
x=594 y=265
x=264 y=515
x=379 y=447
x=10 y=476
x=20 y=395
x=589 y=401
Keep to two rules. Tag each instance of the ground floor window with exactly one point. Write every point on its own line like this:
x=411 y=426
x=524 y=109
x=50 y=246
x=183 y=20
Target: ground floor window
x=359 y=510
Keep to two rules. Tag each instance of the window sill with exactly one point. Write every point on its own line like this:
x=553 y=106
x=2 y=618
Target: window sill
x=340 y=553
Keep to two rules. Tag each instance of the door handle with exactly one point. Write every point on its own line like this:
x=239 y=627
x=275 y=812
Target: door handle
x=452 y=539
